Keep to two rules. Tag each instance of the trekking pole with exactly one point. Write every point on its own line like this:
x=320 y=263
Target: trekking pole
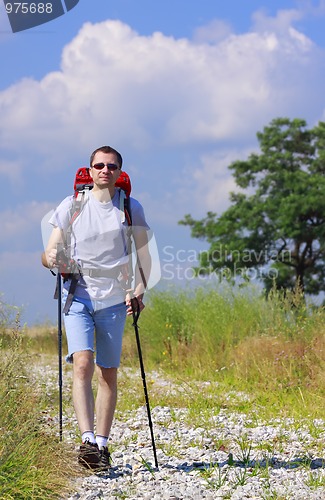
x=136 y=314
x=60 y=350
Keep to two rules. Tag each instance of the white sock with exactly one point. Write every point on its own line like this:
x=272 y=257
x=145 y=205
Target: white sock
x=101 y=440
x=88 y=435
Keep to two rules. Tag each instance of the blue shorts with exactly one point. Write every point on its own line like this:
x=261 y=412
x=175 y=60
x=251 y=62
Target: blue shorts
x=83 y=324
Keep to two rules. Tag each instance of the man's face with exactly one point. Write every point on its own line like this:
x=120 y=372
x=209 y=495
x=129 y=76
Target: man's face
x=106 y=176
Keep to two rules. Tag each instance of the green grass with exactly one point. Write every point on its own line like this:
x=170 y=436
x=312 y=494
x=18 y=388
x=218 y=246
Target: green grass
x=272 y=349
x=232 y=351
x=33 y=465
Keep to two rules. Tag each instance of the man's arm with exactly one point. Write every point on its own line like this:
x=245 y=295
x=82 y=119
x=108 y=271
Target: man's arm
x=142 y=268
x=143 y=264
x=49 y=255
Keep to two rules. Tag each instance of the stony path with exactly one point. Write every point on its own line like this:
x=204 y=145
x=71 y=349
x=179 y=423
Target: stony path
x=233 y=456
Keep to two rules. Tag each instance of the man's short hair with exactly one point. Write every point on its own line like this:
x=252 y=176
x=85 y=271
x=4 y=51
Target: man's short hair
x=106 y=150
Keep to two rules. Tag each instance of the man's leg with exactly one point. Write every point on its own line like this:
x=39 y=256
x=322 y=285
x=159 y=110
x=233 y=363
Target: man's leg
x=83 y=398
x=106 y=399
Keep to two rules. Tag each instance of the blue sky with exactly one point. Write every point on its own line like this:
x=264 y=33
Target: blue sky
x=180 y=87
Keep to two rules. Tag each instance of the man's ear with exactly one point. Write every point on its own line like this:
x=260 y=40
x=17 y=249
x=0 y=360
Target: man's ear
x=90 y=171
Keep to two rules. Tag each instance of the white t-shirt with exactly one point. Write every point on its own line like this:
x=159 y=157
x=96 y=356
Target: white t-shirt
x=99 y=241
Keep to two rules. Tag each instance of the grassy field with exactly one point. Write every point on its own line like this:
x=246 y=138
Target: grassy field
x=272 y=349
x=33 y=466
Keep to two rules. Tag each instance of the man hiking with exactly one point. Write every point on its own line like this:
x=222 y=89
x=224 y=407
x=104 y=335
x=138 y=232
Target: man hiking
x=96 y=241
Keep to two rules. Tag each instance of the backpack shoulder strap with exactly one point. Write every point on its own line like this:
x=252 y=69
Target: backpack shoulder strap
x=79 y=202
x=77 y=206
x=125 y=208
x=127 y=211
x=126 y=215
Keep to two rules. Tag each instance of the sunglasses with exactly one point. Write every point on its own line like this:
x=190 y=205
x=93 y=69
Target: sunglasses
x=111 y=166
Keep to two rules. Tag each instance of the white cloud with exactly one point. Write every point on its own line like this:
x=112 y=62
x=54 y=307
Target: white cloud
x=12 y=170
x=215 y=181
x=310 y=9
x=212 y=32
x=204 y=184
x=20 y=224
x=281 y=26
x=158 y=92
x=150 y=90
x=209 y=187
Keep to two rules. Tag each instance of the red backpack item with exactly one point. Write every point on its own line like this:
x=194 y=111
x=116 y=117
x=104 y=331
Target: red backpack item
x=83 y=181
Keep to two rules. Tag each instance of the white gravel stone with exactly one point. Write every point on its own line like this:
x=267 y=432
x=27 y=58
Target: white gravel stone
x=194 y=469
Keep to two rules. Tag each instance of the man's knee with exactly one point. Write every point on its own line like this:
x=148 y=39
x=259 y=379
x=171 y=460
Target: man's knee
x=106 y=375
x=83 y=364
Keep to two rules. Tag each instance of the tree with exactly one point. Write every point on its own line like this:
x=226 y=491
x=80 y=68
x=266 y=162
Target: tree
x=275 y=231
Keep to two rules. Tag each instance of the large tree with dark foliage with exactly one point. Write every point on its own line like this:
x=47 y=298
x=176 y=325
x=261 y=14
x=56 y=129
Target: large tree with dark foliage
x=276 y=229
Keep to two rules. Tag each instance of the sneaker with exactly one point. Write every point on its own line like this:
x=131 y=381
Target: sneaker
x=89 y=455
x=105 y=458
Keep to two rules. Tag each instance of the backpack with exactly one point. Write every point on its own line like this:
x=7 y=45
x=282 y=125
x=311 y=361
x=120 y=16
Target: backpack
x=69 y=269
x=83 y=183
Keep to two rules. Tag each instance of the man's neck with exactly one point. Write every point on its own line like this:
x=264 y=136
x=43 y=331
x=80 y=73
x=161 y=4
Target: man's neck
x=105 y=194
